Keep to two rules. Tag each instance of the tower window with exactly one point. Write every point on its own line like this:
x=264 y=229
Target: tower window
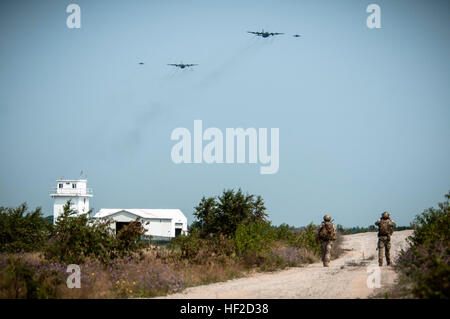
x=74 y=185
x=60 y=185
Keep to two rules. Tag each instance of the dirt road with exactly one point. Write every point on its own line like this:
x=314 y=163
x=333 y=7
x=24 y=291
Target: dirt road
x=345 y=278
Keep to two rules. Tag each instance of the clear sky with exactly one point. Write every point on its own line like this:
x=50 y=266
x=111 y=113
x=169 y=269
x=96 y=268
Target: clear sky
x=363 y=113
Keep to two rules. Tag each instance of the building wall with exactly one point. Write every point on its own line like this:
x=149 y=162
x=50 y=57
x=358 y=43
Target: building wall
x=67 y=185
x=80 y=204
x=156 y=227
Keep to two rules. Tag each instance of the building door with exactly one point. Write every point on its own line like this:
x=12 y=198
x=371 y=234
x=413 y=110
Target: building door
x=177 y=232
x=120 y=225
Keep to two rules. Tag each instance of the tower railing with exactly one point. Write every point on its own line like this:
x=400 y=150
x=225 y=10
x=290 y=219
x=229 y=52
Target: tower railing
x=71 y=191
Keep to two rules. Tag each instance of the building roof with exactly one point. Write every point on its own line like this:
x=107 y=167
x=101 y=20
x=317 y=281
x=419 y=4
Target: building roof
x=143 y=213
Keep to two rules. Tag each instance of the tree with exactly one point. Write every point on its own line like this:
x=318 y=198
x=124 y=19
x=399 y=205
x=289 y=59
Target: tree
x=77 y=237
x=426 y=262
x=223 y=214
x=22 y=230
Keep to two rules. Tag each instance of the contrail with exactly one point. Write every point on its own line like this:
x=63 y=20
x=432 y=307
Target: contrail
x=250 y=46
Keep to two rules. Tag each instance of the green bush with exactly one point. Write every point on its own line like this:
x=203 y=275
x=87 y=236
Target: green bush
x=425 y=265
x=21 y=230
x=432 y=225
x=223 y=215
x=22 y=279
x=131 y=238
x=76 y=238
x=284 y=232
x=234 y=227
x=200 y=250
x=256 y=237
x=188 y=246
x=306 y=238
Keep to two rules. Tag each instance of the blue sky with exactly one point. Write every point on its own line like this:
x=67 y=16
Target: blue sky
x=363 y=113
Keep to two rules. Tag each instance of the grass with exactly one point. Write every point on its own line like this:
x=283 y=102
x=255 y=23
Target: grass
x=400 y=290
x=157 y=271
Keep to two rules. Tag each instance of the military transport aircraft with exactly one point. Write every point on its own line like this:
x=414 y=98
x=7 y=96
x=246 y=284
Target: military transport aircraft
x=264 y=34
x=296 y=35
x=181 y=65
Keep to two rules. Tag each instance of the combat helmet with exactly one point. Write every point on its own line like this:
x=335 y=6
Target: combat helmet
x=385 y=215
x=327 y=218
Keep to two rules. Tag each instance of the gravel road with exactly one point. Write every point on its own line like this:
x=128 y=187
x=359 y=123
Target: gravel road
x=345 y=278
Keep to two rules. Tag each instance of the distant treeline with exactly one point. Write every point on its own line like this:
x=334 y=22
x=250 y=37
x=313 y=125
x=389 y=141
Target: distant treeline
x=348 y=230
x=357 y=229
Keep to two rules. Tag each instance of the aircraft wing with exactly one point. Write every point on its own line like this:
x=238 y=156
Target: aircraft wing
x=253 y=32
x=276 y=33
x=173 y=64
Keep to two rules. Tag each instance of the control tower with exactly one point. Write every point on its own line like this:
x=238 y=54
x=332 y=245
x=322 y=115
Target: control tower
x=74 y=190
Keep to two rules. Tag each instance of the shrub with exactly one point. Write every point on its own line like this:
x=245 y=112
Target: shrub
x=76 y=238
x=293 y=256
x=130 y=239
x=22 y=279
x=306 y=238
x=255 y=236
x=188 y=246
x=22 y=276
x=432 y=225
x=425 y=265
x=222 y=215
x=201 y=250
x=284 y=232
x=21 y=230
x=147 y=277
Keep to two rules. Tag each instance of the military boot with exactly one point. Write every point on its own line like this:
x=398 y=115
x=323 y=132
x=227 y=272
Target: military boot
x=380 y=263
x=326 y=264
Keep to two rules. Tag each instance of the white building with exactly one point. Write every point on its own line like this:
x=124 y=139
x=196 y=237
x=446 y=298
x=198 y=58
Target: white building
x=74 y=190
x=161 y=224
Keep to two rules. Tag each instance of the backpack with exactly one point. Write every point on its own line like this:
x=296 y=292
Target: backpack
x=326 y=232
x=384 y=228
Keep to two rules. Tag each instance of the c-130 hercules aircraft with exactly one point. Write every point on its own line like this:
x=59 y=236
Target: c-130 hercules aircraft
x=264 y=34
x=181 y=65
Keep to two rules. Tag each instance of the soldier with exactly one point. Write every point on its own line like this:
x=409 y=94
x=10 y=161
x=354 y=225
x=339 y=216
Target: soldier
x=385 y=229
x=326 y=235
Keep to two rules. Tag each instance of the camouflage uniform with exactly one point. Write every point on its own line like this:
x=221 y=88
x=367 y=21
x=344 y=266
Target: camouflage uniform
x=326 y=244
x=326 y=251
x=384 y=240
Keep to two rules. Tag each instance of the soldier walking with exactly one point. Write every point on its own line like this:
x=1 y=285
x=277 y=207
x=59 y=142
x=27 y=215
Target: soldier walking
x=326 y=235
x=385 y=230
